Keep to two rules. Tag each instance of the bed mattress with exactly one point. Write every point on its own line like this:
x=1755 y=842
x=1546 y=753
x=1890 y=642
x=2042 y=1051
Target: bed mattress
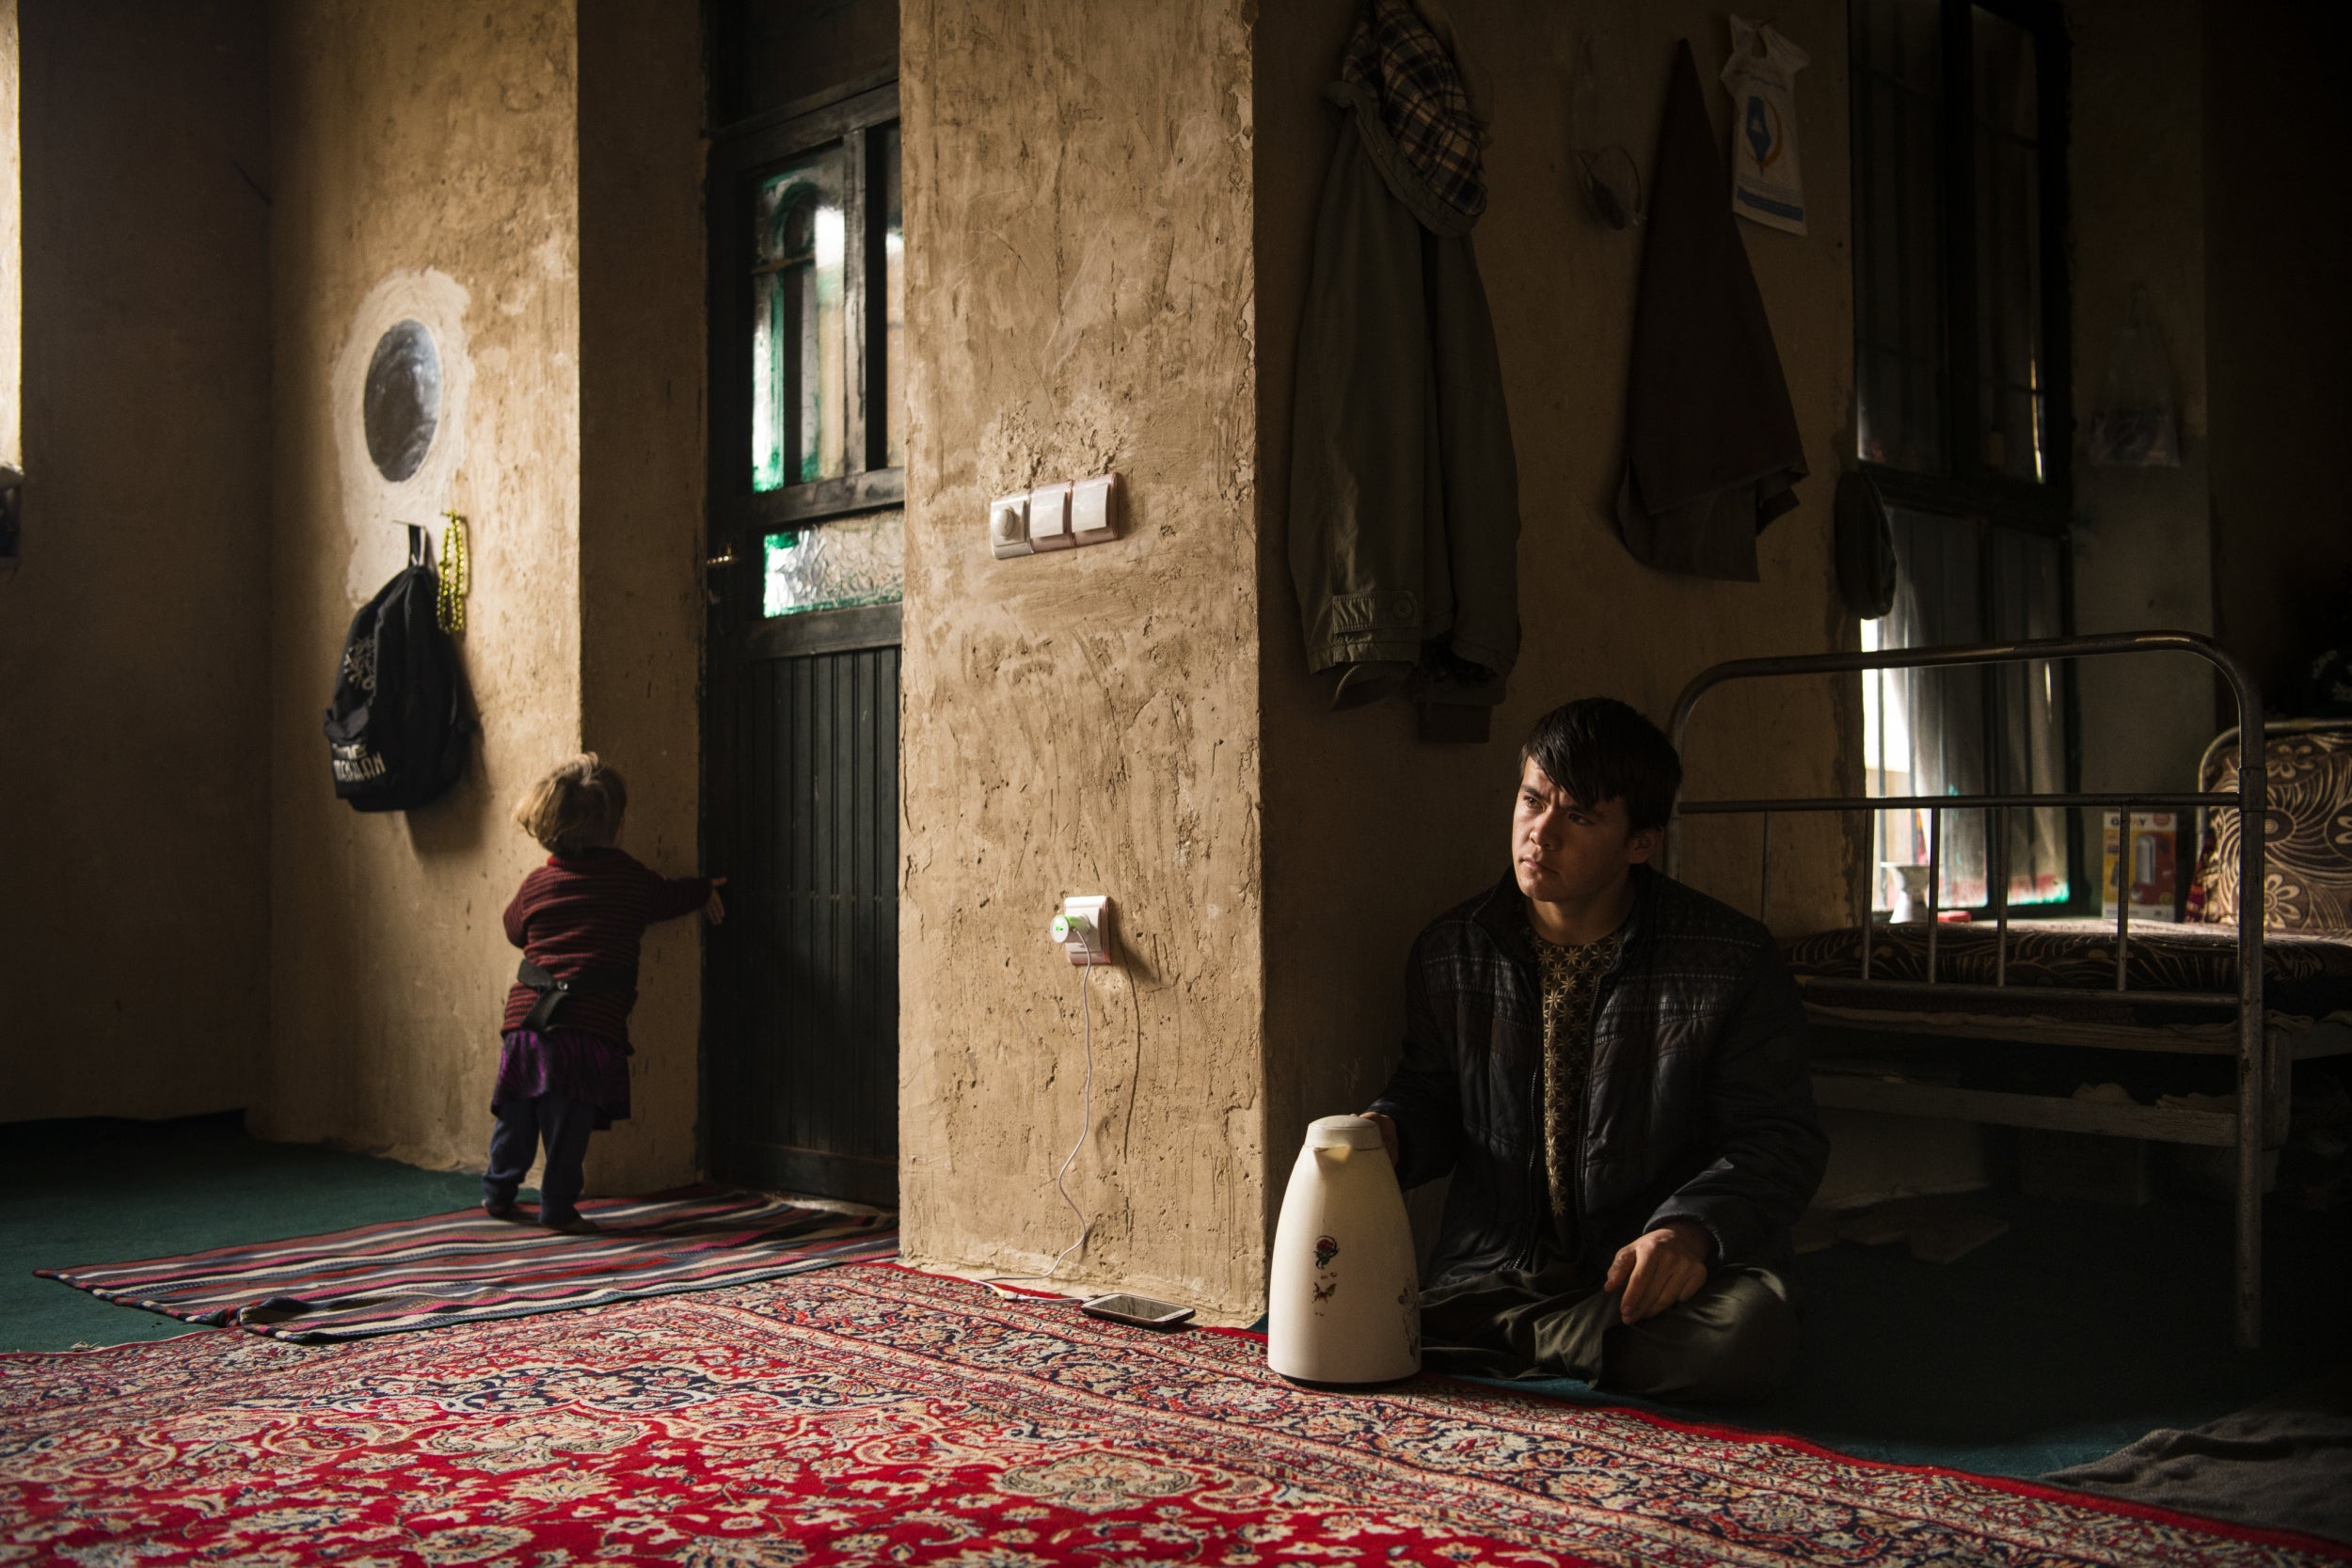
x=2306 y=975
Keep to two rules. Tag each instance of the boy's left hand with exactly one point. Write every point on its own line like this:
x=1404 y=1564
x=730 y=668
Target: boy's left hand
x=1663 y=1268
x=715 y=909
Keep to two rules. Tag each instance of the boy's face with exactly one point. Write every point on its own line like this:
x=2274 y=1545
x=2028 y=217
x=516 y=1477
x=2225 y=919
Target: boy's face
x=1568 y=851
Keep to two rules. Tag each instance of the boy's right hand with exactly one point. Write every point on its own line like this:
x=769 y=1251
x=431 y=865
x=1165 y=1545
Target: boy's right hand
x=714 y=908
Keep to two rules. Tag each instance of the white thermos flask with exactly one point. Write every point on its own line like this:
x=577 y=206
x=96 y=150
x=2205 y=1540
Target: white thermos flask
x=1344 y=1298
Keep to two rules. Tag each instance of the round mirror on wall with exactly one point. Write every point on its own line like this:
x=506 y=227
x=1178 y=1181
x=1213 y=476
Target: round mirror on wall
x=402 y=405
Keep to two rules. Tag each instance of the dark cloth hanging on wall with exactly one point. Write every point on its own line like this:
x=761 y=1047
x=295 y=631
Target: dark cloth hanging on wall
x=1711 y=446
x=1404 y=507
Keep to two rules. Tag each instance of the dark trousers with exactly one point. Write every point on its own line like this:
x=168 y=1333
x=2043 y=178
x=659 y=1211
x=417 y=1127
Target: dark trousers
x=563 y=1125
x=1735 y=1339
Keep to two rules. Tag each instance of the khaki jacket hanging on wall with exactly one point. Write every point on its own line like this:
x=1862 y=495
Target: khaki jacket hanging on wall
x=1404 y=507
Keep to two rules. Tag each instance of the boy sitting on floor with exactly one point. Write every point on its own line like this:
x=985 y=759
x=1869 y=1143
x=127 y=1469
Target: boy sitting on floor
x=1612 y=1067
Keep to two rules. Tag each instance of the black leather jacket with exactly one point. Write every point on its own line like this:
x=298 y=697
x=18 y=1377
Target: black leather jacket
x=1698 y=1105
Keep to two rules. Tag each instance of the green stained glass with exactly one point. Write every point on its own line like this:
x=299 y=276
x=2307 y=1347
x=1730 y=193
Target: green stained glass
x=799 y=342
x=894 y=310
x=835 y=565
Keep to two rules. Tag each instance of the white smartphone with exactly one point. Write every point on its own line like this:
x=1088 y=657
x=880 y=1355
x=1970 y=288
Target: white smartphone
x=1142 y=1311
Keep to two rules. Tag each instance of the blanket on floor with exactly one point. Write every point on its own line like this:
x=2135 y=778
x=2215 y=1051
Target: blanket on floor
x=878 y=1414
x=465 y=1267
x=2285 y=1461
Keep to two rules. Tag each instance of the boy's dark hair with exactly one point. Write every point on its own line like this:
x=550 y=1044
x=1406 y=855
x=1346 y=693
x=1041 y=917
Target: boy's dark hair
x=1598 y=748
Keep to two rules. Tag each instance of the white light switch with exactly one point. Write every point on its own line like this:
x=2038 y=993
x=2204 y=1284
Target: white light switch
x=1056 y=516
x=1049 y=517
x=1094 y=508
x=1009 y=526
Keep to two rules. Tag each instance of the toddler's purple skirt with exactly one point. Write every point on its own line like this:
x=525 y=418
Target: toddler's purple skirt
x=568 y=1062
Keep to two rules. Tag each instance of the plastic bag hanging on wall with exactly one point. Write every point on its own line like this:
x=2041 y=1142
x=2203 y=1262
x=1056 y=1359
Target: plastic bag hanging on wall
x=2137 y=424
x=1767 y=180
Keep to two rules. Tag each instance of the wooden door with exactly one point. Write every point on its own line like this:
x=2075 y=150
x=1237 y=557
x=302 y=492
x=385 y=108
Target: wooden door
x=804 y=1059
x=800 y=1048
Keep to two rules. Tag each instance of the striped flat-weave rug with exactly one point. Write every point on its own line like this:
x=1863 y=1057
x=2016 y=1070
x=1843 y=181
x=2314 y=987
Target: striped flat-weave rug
x=467 y=1267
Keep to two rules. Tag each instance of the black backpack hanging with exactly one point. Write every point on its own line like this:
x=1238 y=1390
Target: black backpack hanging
x=396 y=728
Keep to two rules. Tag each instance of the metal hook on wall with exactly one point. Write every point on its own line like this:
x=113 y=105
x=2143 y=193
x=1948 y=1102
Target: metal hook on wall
x=453 y=567
x=1612 y=209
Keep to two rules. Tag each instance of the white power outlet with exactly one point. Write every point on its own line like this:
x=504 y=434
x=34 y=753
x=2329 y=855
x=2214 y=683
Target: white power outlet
x=1084 y=929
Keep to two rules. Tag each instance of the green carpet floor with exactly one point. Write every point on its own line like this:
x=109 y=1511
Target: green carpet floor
x=104 y=1191
x=2075 y=1332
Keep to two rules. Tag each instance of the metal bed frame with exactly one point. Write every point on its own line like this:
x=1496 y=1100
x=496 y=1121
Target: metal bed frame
x=2258 y=1122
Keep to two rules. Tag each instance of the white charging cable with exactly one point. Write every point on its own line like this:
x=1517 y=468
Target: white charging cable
x=1068 y=930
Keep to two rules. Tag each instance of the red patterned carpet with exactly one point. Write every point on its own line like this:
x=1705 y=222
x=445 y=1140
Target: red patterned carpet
x=869 y=1414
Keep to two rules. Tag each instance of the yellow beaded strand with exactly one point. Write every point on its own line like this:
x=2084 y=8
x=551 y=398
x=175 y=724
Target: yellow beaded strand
x=449 y=604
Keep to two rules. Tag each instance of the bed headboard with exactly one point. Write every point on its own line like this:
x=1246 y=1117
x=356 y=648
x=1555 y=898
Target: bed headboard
x=2307 y=852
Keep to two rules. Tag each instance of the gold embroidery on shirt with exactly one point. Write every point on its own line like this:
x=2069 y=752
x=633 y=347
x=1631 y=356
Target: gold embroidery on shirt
x=1570 y=977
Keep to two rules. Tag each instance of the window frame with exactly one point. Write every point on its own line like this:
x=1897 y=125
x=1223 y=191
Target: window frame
x=1972 y=493
x=1971 y=489
x=742 y=157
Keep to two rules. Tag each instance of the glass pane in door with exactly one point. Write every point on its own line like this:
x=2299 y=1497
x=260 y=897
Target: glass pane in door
x=835 y=565
x=799 y=342
x=893 y=302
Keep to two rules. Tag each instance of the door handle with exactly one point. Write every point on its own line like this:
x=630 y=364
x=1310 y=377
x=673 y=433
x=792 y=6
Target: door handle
x=724 y=557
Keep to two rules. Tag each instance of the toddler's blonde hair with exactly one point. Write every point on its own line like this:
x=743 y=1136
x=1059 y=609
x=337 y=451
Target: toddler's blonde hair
x=576 y=807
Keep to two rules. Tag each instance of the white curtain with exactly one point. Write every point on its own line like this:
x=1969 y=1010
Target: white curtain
x=1972 y=729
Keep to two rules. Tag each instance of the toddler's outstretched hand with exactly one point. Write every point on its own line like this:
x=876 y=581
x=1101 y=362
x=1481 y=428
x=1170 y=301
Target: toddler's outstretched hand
x=714 y=910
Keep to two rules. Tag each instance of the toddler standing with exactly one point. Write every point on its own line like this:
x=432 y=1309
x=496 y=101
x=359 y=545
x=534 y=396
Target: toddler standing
x=564 y=1068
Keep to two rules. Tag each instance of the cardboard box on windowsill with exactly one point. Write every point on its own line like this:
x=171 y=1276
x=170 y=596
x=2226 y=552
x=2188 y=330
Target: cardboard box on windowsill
x=2156 y=870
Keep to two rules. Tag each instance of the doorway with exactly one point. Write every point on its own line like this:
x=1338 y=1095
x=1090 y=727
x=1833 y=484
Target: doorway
x=806 y=532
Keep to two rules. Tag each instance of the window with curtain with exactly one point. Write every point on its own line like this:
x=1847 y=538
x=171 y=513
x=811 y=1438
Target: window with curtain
x=1962 y=390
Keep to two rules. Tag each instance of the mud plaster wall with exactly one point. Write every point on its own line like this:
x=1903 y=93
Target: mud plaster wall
x=2198 y=133
x=1368 y=833
x=2142 y=536
x=1078 y=223
x=134 y=911
x=429 y=148
x=642 y=334
x=2279 y=181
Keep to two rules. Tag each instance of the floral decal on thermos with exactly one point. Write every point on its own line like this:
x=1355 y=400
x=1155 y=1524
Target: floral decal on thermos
x=1326 y=1248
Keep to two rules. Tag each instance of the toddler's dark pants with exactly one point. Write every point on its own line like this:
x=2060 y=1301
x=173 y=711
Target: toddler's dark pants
x=563 y=1125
